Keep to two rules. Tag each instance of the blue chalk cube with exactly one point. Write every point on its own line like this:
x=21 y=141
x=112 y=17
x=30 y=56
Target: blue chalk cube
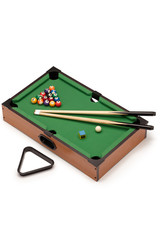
x=82 y=134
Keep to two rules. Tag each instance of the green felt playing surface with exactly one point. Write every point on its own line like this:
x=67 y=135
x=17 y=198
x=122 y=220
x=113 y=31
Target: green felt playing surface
x=75 y=97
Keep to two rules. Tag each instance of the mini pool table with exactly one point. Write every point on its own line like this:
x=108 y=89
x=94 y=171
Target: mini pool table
x=93 y=155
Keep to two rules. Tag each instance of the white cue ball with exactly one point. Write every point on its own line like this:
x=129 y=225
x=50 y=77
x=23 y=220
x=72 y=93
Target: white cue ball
x=98 y=129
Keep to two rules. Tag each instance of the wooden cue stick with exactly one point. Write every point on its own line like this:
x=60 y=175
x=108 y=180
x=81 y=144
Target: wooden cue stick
x=93 y=120
x=134 y=113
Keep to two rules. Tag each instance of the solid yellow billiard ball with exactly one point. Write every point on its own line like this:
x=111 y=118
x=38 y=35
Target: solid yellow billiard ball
x=52 y=103
x=98 y=129
x=33 y=100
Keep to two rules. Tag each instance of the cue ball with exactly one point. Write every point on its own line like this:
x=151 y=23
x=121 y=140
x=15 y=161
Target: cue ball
x=98 y=129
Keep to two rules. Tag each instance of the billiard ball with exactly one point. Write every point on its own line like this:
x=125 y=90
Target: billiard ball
x=49 y=95
x=42 y=94
x=58 y=103
x=47 y=91
x=40 y=101
x=55 y=95
x=46 y=102
x=51 y=88
x=98 y=129
x=33 y=100
x=53 y=91
x=56 y=99
x=39 y=97
x=52 y=103
x=50 y=99
x=45 y=98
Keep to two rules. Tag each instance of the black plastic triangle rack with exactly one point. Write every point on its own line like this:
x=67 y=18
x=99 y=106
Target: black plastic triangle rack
x=39 y=154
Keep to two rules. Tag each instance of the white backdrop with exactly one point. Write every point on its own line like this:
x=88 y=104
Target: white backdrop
x=114 y=48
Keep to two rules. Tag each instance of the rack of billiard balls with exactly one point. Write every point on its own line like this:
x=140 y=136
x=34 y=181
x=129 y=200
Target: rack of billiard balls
x=48 y=98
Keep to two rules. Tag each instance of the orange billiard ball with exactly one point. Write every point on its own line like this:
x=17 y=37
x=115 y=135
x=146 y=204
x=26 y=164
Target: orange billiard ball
x=51 y=88
x=33 y=100
x=40 y=101
x=52 y=103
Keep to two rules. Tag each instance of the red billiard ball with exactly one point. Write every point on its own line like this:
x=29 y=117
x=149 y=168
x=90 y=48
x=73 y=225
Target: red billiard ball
x=45 y=98
x=58 y=103
x=42 y=94
x=50 y=99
